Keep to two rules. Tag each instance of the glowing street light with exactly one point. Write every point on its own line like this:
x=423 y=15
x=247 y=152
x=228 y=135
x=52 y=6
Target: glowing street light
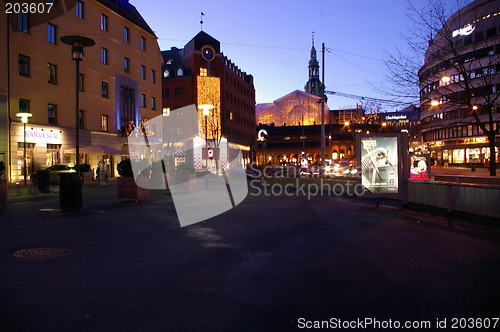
x=24 y=116
x=77 y=44
x=205 y=109
x=434 y=102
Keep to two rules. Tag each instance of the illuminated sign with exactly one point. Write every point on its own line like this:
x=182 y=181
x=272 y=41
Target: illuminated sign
x=465 y=31
x=473 y=140
x=396 y=117
x=38 y=135
x=262 y=135
x=379 y=160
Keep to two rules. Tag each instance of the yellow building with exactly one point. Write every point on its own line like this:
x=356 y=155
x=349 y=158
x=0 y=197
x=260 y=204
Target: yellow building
x=120 y=82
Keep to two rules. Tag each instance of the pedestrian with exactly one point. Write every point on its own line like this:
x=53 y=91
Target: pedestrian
x=103 y=168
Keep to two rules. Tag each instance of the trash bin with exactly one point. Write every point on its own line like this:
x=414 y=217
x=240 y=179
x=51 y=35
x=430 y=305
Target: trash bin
x=43 y=181
x=70 y=193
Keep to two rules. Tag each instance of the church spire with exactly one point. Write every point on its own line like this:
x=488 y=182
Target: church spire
x=313 y=85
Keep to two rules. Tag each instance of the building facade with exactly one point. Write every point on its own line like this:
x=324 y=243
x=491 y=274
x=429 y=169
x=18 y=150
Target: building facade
x=460 y=81
x=119 y=82
x=280 y=145
x=200 y=74
x=294 y=109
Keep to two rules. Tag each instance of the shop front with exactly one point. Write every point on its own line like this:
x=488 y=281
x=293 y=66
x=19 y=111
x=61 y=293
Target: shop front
x=463 y=152
x=43 y=148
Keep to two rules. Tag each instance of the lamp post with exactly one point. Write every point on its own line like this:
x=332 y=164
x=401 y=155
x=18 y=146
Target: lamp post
x=24 y=116
x=205 y=108
x=77 y=44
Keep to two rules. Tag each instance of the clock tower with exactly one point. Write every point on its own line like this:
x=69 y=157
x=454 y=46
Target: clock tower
x=313 y=86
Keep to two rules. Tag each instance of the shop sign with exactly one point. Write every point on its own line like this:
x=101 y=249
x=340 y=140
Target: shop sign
x=474 y=140
x=396 y=117
x=465 y=31
x=38 y=135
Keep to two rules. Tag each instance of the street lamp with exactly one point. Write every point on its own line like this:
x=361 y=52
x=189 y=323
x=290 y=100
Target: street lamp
x=77 y=44
x=24 y=116
x=205 y=108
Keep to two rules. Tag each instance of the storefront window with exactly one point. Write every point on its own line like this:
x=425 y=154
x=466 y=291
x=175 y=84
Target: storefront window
x=473 y=155
x=458 y=156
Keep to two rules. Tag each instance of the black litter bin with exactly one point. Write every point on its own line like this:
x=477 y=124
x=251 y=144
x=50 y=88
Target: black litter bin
x=70 y=193
x=43 y=181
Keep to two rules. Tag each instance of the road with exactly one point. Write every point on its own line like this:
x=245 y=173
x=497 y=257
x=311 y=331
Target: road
x=261 y=266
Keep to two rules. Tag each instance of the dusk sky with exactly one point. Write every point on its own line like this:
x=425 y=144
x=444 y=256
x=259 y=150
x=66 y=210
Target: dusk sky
x=272 y=39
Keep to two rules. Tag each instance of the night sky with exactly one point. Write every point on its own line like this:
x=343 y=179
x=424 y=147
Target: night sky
x=272 y=39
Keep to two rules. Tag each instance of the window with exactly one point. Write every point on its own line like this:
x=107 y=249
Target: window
x=52 y=114
x=51 y=33
x=143 y=44
x=166 y=73
x=79 y=9
x=81 y=118
x=80 y=83
x=104 y=56
x=104 y=22
x=143 y=72
x=491 y=32
x=143 y=100
x=180 y=72
x=104 y=89
x=152 y=76
x=165 y=93
x=24 y=106
x=24 y=65
x=203 y=72
x=22 y=22
x=104 y=122
x=126 y=34
x=179 y=92
x=52 y=73
x=152 y=102
x=127 y=108
x=126 y=64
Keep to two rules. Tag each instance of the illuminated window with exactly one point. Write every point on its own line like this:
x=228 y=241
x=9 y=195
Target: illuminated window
x=143 y=100
x=166 y=73
x=22 y=22
x=104 y=56
x=104 y=22
x=79 y=9
x=203 y=72
x=143 y=72
x=126 y=65
x=104 y=122
x=51 y=33
x=126 y=34
x=180 y=72
x=143 y=43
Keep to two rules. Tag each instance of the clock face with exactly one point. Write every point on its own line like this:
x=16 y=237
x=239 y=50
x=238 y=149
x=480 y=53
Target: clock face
x=208 y=53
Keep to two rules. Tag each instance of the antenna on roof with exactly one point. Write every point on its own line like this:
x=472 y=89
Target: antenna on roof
x=201 y=21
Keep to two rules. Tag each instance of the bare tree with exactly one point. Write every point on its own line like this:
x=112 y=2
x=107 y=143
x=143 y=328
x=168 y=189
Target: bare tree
x=458 y=84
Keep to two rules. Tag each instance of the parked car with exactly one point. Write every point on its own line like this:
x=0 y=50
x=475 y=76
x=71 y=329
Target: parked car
x=53 y=172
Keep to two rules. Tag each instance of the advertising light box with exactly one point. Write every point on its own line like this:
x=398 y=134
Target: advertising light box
x=379 y=164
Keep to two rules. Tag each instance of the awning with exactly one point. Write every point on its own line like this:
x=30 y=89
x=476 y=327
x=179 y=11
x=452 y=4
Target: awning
x=98 y=149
